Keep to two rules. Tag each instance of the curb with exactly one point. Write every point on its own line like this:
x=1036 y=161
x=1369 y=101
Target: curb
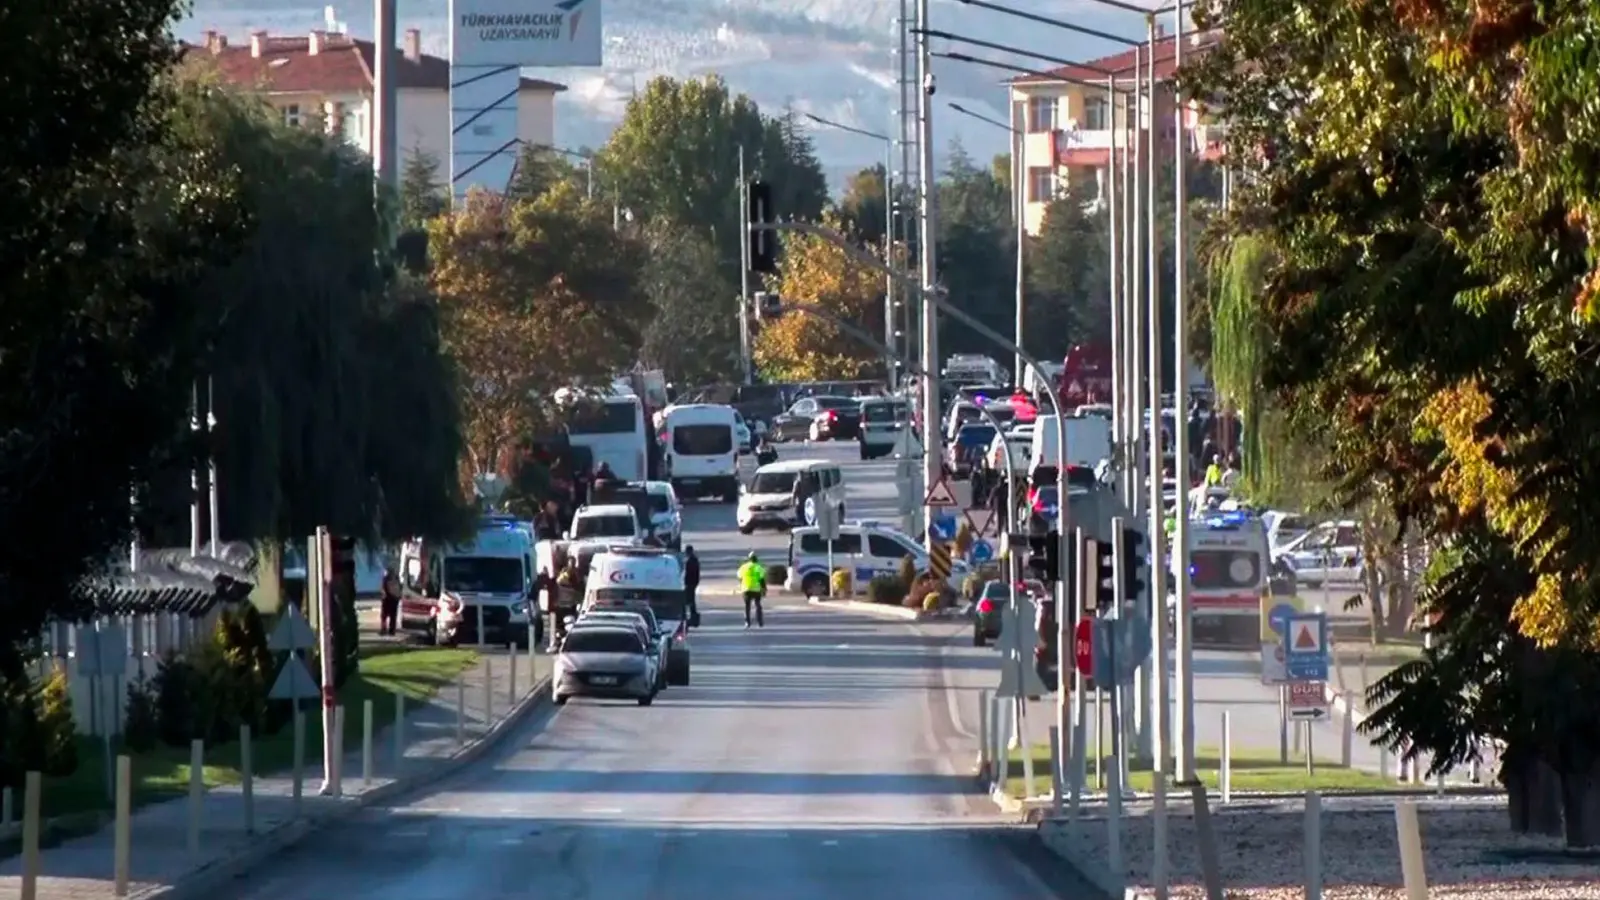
x=1093 y=871
x=205 y=882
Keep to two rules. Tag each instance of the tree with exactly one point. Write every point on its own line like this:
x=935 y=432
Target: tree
x=423 y=191
x=535 y=295
x=1068 y=280
x=1427 y=238
x=319 y=423
x=694 y=325
x=110 y=211
x=801 y=347
x=862 y=210
x=540 y=168
x=675 y=156
x=977 y=252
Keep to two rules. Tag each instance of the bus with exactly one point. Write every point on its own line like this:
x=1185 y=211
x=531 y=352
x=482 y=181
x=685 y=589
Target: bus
x=613 y=429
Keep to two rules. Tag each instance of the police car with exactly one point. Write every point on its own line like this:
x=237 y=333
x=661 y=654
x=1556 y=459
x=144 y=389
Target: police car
x=1228 y=561
x=1328 y=556
x=866 y=549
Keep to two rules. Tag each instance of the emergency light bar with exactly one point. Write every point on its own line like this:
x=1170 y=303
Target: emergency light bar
x=1229 y=520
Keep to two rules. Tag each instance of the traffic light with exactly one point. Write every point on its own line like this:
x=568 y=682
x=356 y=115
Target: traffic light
x=1130 y=546
x=763 y=244
x=1044 y=557
x=1105 y=576
x=767 y=305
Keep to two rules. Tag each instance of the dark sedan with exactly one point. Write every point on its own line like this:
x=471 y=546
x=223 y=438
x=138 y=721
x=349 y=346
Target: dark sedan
x=991 y=606
x=836 y=418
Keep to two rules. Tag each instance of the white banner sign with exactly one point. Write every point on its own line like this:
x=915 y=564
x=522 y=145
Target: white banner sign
x=553 y=33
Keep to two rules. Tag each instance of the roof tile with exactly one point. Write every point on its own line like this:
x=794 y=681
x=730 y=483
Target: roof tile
x=1123 y=63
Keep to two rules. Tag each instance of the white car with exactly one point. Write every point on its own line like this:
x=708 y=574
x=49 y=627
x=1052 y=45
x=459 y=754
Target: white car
x=1329 y=555
x=866 y=549
x=741 y=432
x=607 y=523
x=666 y=514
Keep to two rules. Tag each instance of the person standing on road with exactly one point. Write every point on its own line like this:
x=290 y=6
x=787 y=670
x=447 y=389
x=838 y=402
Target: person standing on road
x=691 y=580
x=389 y=602
x=753 y=581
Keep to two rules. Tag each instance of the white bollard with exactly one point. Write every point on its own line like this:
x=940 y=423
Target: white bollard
x=1159 y=878
x=247 y=780
x=1438 y=784
x=399 y=732
x=1225 y=767
x=461 y=713
x=985 y=763
x=1056 y=793
x=511 y=686
x=1347 y=739
x=122 y=842
x=1383 y=761
x=1408 y=834
x=366 y=743
x=197 y=791
x=32 y=787
x=488 y=693
x=1313 y=845
x=338 y=751
x=297 y=773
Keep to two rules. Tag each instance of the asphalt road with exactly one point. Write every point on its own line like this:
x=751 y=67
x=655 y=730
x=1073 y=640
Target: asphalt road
x=826 y=755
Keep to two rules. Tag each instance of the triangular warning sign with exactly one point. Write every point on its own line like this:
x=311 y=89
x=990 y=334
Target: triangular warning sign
x=940 y=495
x=291 y=633
x=294 y=681
x=984 y=523
x=1305 y=640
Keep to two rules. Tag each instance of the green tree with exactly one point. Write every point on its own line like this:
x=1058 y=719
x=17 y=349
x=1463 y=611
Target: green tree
x=540 y=168
x=977 y=252
x=1068 y=280
x=1426 y=259
x=423 y=192
x=675 y=156
x=111 y=209
x=694 y=327
x=319 y=423
x=862 y=211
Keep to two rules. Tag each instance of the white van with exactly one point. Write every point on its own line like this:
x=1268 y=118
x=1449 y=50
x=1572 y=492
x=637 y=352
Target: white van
x=882 y=420
x=1088 y=442
x=866 y=549
x=788 y=493
x=1228 y=567
x=702 y=450
x=654 y=577
x=449 y=589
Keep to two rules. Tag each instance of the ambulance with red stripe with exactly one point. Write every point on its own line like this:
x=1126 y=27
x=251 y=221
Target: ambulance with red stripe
x=1228 y=565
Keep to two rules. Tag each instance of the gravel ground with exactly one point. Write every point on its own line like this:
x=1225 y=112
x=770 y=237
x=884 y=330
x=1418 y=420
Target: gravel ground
x=1470 y=854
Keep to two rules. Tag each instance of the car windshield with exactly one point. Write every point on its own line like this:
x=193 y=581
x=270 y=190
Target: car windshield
x=482 y=574
x=652 y=604
x=602 y=640
x=603 y=526
x=609 y=417
x=702 y=440
x=884 y=412
x=975 y=435
x=1001 y=414
x=772 y=483
x=838 y=403
x=660 y=503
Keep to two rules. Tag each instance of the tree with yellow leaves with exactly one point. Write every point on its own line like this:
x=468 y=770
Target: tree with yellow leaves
x=802 y=347
x=535 y=295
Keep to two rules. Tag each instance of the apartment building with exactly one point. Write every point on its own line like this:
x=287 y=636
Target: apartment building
x=1069 y=115
x=325 y=78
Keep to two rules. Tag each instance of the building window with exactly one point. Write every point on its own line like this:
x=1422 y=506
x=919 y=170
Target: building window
x=1041 y=114
x=291 y=115
x=1096 y=115
x=351 y=126
x=1041 y=184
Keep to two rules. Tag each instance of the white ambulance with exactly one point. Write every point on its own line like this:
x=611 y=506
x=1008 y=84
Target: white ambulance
x=1228 y=565
x=451 y=590
x=621 y=576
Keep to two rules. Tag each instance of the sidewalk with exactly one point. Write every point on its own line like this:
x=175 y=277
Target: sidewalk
x=161 y=865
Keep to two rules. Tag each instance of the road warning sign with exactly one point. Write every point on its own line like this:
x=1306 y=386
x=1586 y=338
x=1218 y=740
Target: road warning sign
x=940 y=494
x=1307 y=638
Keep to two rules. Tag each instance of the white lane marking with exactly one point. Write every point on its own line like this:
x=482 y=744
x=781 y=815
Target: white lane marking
x=830 y=843
x=511 y=842
x=410 y=833
x=435 y=810
x=602 y=811
x=842 y=647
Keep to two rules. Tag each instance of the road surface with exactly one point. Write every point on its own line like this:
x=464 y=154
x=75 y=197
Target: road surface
x=824 y=756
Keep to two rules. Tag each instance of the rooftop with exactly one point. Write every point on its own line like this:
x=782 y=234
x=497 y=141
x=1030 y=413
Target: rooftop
x=1122 y=64
x=323 y=62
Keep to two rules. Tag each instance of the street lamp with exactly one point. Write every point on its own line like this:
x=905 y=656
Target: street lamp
x=1019 y=175
x=889 y=301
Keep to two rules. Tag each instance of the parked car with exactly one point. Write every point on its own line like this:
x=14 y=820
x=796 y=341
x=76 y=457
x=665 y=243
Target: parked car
x=795 y=423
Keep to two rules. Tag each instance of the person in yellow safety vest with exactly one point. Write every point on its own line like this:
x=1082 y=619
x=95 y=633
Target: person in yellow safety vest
x=753 y=581
x=1170 y=524
x=1214 y=472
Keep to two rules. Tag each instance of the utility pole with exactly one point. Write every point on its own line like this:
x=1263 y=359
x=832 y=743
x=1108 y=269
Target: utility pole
x=1180 y=393
x=1142 y=386
x=932 y=468
x=1133 y=316
x=1019 y=189
x=906 y=113
x=744 y=278
x=211 y=465
x=891 y=368
x=385 y=136
x=194 y=470
x=1161 y=714
x=1119 y=375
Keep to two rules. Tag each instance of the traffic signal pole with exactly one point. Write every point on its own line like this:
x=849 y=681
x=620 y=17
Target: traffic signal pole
x=746 y=369
x=933 y=463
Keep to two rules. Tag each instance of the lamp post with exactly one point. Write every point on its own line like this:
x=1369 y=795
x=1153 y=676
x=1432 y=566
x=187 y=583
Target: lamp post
x=890 y=302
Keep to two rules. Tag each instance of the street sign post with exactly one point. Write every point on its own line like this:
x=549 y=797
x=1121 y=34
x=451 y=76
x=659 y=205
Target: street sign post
x=1083 y=647
x=1018 y=636
x=1120 y=646
x=940 y=494
x=1275 y=613
x=1308 y=700
x=942 y=526
x=982 y=551
x=1305 y=647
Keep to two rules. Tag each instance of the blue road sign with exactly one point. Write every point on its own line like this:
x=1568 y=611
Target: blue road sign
x=943 y=527
x=982 y=551
x=1305 y=647
x=1278 y=617
x=1132 y=637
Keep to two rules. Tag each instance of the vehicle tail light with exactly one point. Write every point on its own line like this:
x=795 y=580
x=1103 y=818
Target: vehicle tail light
x=680 y=635
x=986 y=605
x=831 y=416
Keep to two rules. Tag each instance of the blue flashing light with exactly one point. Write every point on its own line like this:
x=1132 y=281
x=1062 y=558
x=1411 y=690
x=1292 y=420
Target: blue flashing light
x=1228 y=520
